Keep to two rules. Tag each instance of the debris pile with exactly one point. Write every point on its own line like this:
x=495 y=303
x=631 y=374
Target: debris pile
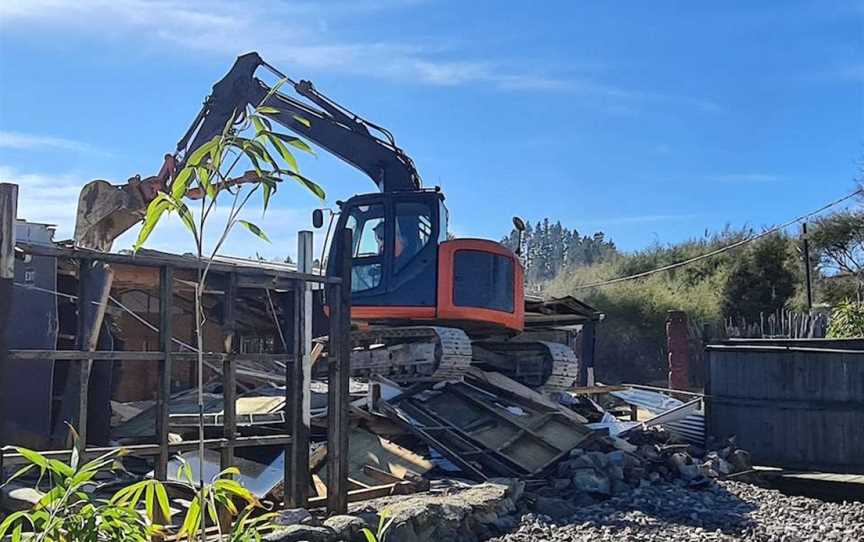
x=610 y=466
x=724 y=511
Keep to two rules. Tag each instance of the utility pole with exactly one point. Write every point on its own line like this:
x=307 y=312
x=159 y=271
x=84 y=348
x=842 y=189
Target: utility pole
x=807 y=268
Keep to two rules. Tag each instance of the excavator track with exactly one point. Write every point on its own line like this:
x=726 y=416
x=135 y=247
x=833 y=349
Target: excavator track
x=542 y=365
x=565 y=368
x=409 y=354
x=417 y=353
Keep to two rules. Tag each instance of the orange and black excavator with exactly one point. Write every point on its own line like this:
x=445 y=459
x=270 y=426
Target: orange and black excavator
x=429 y=306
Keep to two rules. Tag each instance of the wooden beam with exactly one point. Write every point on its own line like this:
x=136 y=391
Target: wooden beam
x=8 y=210
x=74 y=355
x=374 y=492
x=11 y=457
x=166 y=298
x=339 y=371
x=298 y=487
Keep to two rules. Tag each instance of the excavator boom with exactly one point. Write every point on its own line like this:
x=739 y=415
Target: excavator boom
x=106 y=211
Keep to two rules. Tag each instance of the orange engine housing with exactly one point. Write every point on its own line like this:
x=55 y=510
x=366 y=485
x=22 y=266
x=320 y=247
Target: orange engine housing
x=447 y=310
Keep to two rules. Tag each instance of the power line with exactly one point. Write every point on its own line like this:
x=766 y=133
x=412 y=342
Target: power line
x=721 y=249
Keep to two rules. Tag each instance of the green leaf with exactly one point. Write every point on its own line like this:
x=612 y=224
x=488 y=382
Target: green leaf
x=267 y=110
x=181 y=182
x=186 y=217
x=155 y=210
x=192 y=519
x=12 y=519
x=273 y=90
x=285 y=153
x=254 y=229
x=149 y=497
x=311 y=185
x=370 y=536
x=261 y=124
x=60 y=468
x=34 y=457
x=294 y=142
x=302 y=121
x=202 y=151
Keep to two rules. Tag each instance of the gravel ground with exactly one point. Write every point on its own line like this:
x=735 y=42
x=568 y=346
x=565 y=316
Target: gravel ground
x=723 y=511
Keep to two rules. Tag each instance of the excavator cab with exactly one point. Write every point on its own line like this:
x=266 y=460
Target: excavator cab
x=405 y=270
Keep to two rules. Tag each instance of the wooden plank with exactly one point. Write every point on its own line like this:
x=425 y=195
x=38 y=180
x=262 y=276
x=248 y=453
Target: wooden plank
x=374 y=492
x=298 y=487
x=521 y=391
x=339 y=371
x=8 y=212
x=13 y=458
x=320 y=487
x=166 y=296
x=247 y=272
x=380 y=475
x=74 y=355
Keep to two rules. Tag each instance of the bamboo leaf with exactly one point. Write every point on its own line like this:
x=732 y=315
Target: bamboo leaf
x=267 y=110
x=155 y=211
x=181 y=182
x=302 y=121
x=149 y=496
x=370 y=536
x=261 y=124
x=202 y=151
x=311 y=185
x=294 y=142
x=254 y=229
x=186 y=217
x=12 y=519
x=273 y=90
x=285 y=153
x=192 y=520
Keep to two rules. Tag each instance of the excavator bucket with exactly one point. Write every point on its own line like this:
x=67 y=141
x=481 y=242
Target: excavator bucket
x=105 y=211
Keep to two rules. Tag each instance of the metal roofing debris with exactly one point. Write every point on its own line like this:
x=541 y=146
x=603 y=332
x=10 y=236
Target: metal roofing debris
x=684 y=420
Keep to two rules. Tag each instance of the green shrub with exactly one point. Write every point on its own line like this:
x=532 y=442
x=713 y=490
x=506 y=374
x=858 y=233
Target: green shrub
x=847 y=321
x=69 y=512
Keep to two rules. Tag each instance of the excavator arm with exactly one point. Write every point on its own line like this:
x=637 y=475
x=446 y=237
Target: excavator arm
x=106 y=211
x=329 y=125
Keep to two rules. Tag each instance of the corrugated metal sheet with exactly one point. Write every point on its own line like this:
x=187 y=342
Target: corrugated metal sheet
x=791 y=406
x=689 y=429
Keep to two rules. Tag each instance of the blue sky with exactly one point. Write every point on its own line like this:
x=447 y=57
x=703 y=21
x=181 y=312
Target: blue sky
x=651 y=121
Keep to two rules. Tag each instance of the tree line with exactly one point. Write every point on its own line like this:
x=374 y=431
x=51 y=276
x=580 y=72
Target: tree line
x=549 y=248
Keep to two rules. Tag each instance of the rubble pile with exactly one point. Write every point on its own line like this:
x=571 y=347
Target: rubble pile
x=719 y=512
x=612 y=466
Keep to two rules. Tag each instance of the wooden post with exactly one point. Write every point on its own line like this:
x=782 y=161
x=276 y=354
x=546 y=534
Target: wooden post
x=301 y=374
x=586 y=363
x=679 y=355
x=8 y=210
x=339 y=370
x=809 y=282
x=229 y=374
x=166 y=295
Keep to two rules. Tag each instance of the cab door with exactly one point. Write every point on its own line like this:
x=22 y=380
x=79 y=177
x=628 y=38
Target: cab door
x=394 y=250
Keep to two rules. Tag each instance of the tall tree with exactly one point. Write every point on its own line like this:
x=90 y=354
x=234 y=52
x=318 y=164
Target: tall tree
x=761 y=281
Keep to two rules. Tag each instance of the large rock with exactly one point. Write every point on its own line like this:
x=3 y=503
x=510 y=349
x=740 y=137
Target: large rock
x=348 y=528
x=293 y=516
x=302 y=533
x=457 y=515
x=15 y=497
x=556 y=509
x=591 y=481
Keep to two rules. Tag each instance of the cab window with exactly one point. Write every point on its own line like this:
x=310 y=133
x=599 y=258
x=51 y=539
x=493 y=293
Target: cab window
x=367 y=226
x=414 y=230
